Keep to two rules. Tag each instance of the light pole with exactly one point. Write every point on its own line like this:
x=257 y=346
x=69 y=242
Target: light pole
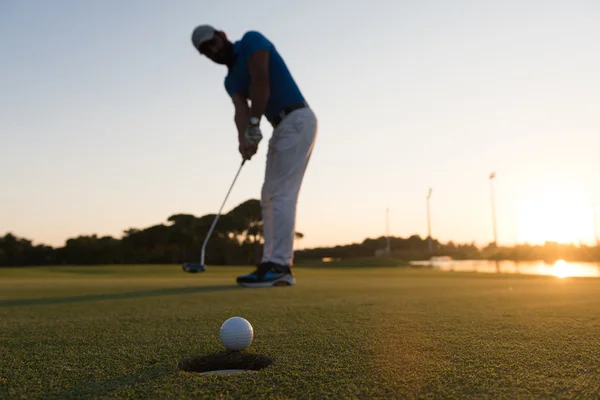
x=388 y=248
x=492 y=176
x=429 y=242
x=595 y=210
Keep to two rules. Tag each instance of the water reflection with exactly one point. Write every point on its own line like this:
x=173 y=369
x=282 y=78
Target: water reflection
x=560 y=269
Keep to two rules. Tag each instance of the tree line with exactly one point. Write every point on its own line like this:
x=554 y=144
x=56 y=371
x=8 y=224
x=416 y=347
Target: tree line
x=237 y=240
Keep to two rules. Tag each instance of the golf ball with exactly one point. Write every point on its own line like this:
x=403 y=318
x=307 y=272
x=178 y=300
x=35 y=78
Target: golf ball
x=236 y=333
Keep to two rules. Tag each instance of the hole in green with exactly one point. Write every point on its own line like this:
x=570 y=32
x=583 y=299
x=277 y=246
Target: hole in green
x=225 y=363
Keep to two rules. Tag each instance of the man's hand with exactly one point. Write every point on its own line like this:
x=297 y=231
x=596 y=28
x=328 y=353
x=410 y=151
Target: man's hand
x=253 y=134
x=247 y=149
x=249 y=142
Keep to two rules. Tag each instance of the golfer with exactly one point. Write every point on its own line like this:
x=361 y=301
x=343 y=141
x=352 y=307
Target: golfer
x=260 y=84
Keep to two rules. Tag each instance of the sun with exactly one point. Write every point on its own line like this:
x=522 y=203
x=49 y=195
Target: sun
x=554 y=215
x=561 y=269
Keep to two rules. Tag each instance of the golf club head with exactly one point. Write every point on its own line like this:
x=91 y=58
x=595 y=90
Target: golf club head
x=193 y=267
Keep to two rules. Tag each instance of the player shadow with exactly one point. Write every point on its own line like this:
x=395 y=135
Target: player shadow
x=117 y=296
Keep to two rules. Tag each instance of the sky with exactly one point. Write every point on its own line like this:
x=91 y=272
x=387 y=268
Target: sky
x=109 y=119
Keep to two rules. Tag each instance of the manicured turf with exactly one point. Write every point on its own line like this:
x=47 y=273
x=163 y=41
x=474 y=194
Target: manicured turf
x=122 y=332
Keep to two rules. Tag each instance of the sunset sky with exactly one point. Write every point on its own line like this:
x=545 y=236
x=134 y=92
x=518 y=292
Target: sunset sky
x=109 y=119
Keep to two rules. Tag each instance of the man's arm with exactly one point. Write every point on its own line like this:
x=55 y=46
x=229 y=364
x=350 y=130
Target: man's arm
x=242 y=114
x=257 y=47
x=258 y=66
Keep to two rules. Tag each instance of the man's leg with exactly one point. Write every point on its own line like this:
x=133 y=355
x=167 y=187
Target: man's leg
x=290 y=149
x=267 y=215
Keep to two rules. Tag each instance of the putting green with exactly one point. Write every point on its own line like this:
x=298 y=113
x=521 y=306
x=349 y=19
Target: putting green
x=124 y=332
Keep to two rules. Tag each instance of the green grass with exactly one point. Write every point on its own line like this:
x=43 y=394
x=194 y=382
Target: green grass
x=356 y=262
x=121 y=332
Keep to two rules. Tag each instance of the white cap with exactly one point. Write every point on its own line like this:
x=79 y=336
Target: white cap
x=201 y=34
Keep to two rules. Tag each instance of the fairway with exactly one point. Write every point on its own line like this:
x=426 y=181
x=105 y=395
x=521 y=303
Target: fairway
x=122 y=332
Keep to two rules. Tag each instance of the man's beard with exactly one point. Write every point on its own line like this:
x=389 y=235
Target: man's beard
x=225 y=56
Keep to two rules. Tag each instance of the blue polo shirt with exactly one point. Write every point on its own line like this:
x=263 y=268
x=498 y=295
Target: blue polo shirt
x=283 y=89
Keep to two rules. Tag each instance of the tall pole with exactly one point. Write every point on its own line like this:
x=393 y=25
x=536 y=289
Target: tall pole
x=492 y=176
x=596 y=224
x=429 y=242
x=388 y=248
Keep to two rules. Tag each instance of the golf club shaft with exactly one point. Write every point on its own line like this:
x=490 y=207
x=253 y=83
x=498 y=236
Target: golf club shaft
x=218 y=215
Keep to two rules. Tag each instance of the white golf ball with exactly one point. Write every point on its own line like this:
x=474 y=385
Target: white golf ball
x=236 y=333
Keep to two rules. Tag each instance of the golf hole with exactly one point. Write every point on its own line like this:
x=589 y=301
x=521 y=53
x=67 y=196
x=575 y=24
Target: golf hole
x=225 y=363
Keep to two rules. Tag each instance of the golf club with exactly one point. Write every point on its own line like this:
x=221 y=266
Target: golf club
x=195 y=267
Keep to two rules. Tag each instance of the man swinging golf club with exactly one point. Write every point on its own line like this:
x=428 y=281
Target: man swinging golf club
x=259 y=83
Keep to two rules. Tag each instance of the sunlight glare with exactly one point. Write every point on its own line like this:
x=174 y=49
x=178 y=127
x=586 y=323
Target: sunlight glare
x=561 y=269
x=553 y=215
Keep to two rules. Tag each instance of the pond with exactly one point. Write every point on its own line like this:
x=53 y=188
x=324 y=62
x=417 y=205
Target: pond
x=560 y=269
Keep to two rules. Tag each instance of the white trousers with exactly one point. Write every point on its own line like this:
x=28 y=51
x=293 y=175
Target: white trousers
x=290 y=148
